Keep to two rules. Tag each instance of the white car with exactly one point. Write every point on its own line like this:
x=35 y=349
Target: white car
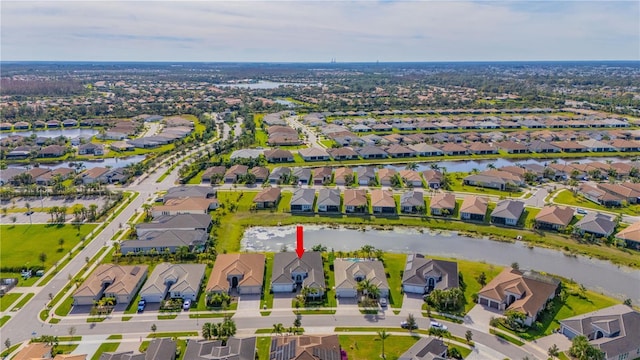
x=383 y=302
x=186 y=305
x=437 y=325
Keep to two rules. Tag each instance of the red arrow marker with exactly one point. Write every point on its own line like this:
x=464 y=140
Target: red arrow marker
x=299 y=242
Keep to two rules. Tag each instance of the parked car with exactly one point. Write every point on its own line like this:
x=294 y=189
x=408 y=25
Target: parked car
x=29 y=213
x=383 y=302
x=405 y=325
x=186 y=305
x=437 y=325
x=581 y=211
x=141 y=305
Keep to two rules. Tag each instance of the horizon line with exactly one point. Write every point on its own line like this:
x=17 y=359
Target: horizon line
x=315 y=62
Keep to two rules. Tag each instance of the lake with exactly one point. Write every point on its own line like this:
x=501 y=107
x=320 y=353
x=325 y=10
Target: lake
x=108 y=162
x=595 y=274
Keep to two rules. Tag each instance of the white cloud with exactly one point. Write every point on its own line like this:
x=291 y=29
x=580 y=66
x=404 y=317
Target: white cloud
x=319 y=30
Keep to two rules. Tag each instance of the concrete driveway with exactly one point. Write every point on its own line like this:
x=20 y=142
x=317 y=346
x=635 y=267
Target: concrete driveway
x=537 y=198
x=412 y=304
x=282 y=300
x=548 y=341
x=248 y=305
x=478 y=318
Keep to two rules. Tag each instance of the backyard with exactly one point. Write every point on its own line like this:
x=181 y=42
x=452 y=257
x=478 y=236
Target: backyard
x=567 y=197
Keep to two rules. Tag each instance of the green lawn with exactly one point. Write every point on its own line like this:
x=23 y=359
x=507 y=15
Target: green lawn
x=105 y=347
x=455 y=184
x=172 y=334
x=4 y=319
x=115 y=337
x=267 y=295
x=24 y=300
x=508 y=338
x=394 y=265
x=568 y=198
x=367 y=347
x=8 y=299
x=263 y=344
x=22 y=244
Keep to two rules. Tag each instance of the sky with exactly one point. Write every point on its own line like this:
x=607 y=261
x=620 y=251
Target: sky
x=318 y=31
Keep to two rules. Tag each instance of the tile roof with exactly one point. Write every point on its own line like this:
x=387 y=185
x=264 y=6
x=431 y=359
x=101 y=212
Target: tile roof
x=250 y=266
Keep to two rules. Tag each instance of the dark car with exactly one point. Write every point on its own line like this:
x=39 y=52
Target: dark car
x=405 y=325
x=141 y=305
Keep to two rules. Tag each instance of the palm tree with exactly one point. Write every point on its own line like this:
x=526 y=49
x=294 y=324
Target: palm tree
x=383 y=335
x=278 y=329
x=207 y=330
x=412 y=166
x=411 y=322
x=553 y=351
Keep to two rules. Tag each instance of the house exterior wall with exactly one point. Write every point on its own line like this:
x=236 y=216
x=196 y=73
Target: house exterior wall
x=413 y=289
x=152 y=297
x=83 y=300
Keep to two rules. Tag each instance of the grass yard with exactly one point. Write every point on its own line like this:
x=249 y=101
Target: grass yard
x=455 y=184
x=172 y=334
x=267 y=295
x=566 y=197
x=263 y=344
x=394 y=265
x=22 y=244
x=105 y=347
x=8 y=299
x=4 y=319
x=367 y=347
x=24 y=300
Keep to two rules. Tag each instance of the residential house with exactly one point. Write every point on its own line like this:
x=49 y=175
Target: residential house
x=160 y=242
x=594 y=145
x=507 y=212
x=542 y=147
x=176 y=222
x=176 y=192
x=49 y=177
x=366 y=175
x=486 y=181
x=612 y=330
x=382 y=202
x=599 y=196
x=371 y=152
x=267 y=198
x=480 y=148
x=278 y=155
x=329 y=200
x=302 y=200
x=411 y=178
x=241 y=273
x=341 y=175
x=433 y=178
x=121 y=146
x=526 y=292
x=52 y=151
x=246 y=154
x=302 y=175
x=283 y=135
x=423 y=149
x=453 y=149
x=314 y=154
x=629 y=194
x=234 y=349
x=342 y=153
x=443 y=204
x=175 y=281
x=235 y=173
x=427 y=348
x=322 y=176
x=279 y=175
x=348 y=273
x=114 y=281
x=91 y=149
x=306 y=347
x=385 y=176
x=355 y=201
x=422 y=275
x=596 y=224
x=36 y=350
x=554 y=217
x=399 y=151
x=94 y=175
x=512 y=147
x=569 y=146
x=631 y=236
x=214 y=172
x=261 y=174
x=291 y=273
x=187 y=205
x=625 y=145
x=412 y=202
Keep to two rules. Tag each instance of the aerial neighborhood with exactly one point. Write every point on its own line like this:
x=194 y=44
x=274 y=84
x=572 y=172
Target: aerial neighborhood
x=319 y=212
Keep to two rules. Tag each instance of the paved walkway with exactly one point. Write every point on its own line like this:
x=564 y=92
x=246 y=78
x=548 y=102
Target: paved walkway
x=89 y=345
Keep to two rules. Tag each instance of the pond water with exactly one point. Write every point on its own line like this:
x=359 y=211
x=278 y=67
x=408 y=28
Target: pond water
x=481 y=165
x=54 y=133
x=595 y=274
x=108 y=162
x=260 y=85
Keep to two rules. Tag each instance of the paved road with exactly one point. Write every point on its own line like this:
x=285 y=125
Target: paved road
x=312 y=138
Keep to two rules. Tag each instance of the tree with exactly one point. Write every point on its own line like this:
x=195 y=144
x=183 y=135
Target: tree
x=7 y=343
x=42 y=257
x=411 y=322
x=278 y=329
x=207 y=331
x=582 y=350
x=553 y=351
x=383 y=335
x=515 y=265
x=72 y=330
x=61 y=243
x=468 y=336
x=627 y=302
x=319 y=248
x=482 y=279
x=514 y=319
x=154 y=328
x=412 y=166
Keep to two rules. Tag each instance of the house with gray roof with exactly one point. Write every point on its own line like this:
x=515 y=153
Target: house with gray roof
x=291 y=273
x=349 y=273
x=412 y=202
x=158 y=349
x=278 y=155
x=538 y=146
x=279 y=174
x=246 y=154
x=595 y=223
x=343 y=153
x=176 y=192
x=422 y=275
x=302 y=200
x=159 y=242
x=176 y=222
x=423 y=149
x=371 y=152
x=329 y=200
x=427 y=348
x=314 y=154
x=507 y=212
x=234 y=349
x=303 y=175
x=365 y=175
x=613 y=330
x=176 y=281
